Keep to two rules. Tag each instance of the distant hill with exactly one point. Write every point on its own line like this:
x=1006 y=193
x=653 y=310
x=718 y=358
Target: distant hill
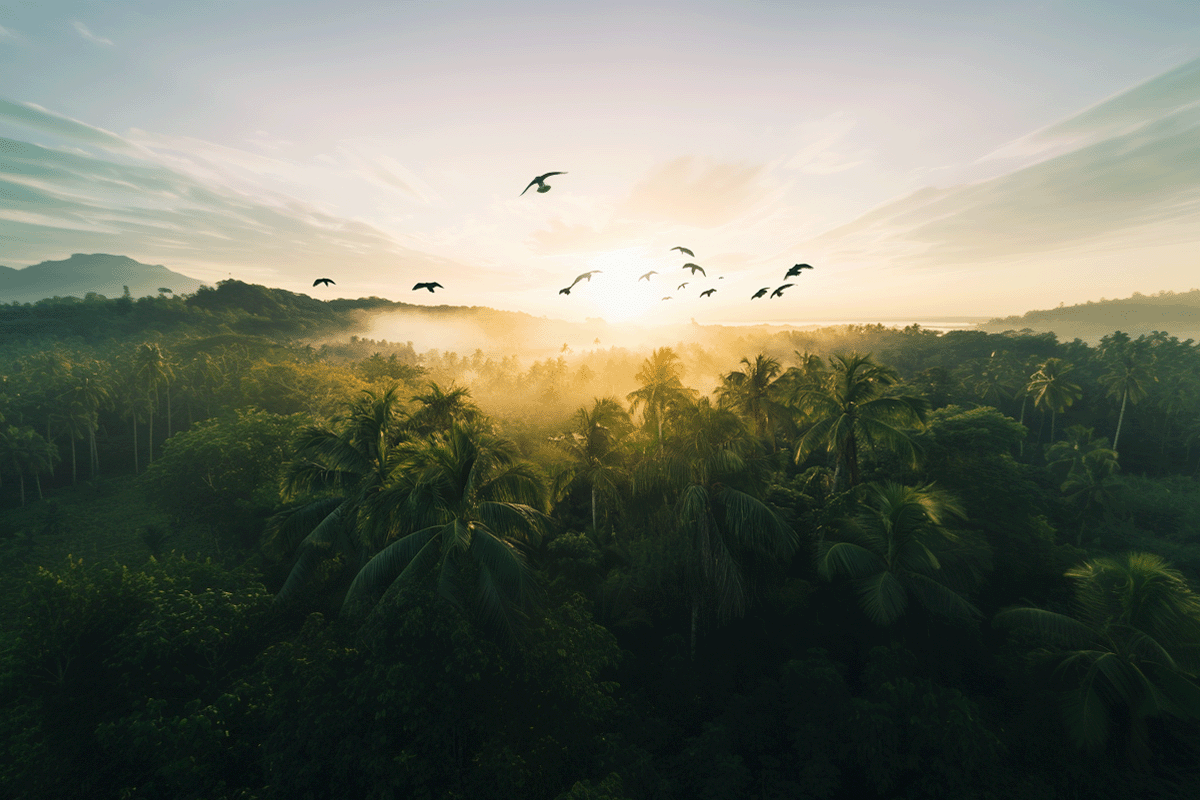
x=1176 y=314
x=100 y=273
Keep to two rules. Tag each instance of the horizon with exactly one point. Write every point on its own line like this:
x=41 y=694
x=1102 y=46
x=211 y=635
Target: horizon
x=935 y=162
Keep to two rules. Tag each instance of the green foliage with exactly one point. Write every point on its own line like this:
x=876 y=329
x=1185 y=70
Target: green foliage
x=224 y=471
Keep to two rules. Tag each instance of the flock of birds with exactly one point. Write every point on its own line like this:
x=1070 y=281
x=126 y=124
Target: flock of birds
x=543 y=187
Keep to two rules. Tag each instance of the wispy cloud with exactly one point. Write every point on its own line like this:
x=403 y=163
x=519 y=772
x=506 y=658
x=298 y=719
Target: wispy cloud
x=87 y=34
x=100 y=192
x=1130 y=163
x=5 y=33
x=698 y=192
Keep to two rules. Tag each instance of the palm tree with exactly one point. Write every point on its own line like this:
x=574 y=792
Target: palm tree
x=898 y=545
x=461 y=505
x=848 y=409
x=593 y=445
x=1127 y=378
x=749 y=392
x=1052 y=391
x=660 y=388
x=151 y=372
x=1129 y=652
x=441 y=408
x=28 y=452
x=346 y=467
x=711 y=466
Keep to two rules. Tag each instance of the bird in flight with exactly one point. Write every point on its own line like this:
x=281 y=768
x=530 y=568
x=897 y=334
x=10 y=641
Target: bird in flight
x=325 y=281
x=668 y=297
x=684 y=250
x=779 y=292
x=430 y=286
x=646 y=277
x=796 y=270
x=585 y=276
x=694 y=267
x=680 y=286
x=707 y=292
x=761 y=292
x=540 y=180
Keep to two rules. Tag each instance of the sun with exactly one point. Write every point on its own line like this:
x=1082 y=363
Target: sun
x=616 y=293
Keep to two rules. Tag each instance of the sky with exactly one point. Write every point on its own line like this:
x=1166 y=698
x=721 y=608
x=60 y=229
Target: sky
x=929 y=159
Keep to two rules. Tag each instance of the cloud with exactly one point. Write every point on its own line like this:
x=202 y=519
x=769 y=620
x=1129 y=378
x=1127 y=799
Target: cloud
x=103 y=193
x=87 y=34
x=30 y=115
x=824 y=152
x=1129 y=164
x=5 y=33
x=697 y=192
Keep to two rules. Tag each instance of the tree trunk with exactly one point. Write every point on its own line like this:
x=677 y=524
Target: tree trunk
x=695 y=621
x=95 y=454
x=21 y=475
x=594 y=507
x=150 y=438
x=37 y=480
x=1021 y=444
x=1120 y=418
x=168 y=411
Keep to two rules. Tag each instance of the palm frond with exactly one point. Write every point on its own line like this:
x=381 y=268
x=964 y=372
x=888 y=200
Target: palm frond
x=287 y=529
x=882 y=597
x=849 y=560
x=402 y=559
x=755 y=526
x=1086 y=714
x=1049 y=625
x=513 y=520
x=939 y=598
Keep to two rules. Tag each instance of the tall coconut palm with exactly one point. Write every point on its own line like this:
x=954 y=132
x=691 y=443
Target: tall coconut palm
x=1052 y=390
x=711 y=467
x=461 y=507
x=1128 y=377
x=749 y=392
x=848 y=410
x=27 y=452
x=898 y=545
x=152 y=373
x=594 y=446
x=661 y=388
x=440 y=408
x=1129 y=652
x=345 y=468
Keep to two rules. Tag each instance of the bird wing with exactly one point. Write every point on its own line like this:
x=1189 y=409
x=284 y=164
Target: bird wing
x=760 y=292
x=547 y=175
x=684 y=250
x=680 y=286
x=531 y=183
x=436 y=285
x=707 y=293
x=779 y=291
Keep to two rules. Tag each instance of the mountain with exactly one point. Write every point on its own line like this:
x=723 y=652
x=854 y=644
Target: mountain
x=80 y=274
x=1175 y=313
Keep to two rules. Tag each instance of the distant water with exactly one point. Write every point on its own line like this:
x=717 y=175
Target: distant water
x=940 y=325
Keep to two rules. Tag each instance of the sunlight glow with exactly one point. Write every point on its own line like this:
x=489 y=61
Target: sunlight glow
x=616 y=294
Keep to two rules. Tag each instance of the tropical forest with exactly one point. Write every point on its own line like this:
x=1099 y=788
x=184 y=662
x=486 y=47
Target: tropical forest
x=248 y=551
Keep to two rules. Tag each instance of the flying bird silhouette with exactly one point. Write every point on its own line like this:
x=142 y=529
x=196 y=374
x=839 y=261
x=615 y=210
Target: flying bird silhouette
x=587 y=276
x=646 y=277
x=779 y=292
x=680 y=286
x=668 y=297
x=796 y=270
x=430 y=286
x=694 y=267
x=325 y=281
x=707 y=292
x=684 y=250
x=540 y=180
x=761 y=292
